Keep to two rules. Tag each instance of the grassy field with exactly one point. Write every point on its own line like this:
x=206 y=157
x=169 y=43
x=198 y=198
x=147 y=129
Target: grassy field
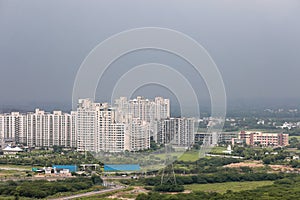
x=218 y=150
x=17 y=171
x=16 y=167
x=162 y=156
x=189 y=156
x=223 y=187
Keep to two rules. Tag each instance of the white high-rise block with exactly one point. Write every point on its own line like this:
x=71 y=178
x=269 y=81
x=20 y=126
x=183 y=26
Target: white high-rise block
x=97 y=128
x=176 y=131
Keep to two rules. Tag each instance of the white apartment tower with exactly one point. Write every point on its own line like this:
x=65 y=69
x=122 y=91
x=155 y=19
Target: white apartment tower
x=162 y=108
x=92 y=127
x=143 y=109
x=97 y=128
x=176 y=131
x=13 y=127
x=39 y=128
x=137 y=135
x=86 y=125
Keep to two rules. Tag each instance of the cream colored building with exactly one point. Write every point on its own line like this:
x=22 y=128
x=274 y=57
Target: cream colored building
x=264 y=139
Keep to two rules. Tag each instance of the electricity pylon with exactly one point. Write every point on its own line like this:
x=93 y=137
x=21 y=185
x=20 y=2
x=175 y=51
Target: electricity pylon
x=168 y=174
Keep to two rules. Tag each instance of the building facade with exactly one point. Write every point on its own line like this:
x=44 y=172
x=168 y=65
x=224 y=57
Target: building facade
x=137 y=135
x=263 y=139
x=97 y=128
x=38 y=129
x=176 y=131
x=93 y=126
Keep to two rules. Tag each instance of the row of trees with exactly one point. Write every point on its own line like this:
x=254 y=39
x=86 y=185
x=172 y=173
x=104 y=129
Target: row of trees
x=47 y=158
x=283 y=189
x=169 y=188
x=217 y=178
x=203 y=165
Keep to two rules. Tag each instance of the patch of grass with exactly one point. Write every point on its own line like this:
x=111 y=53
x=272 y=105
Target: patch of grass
x=11 y=173
x=162 y=156
x=223 y=187
x=190 y=156
x=218 y=150
x=19 y=167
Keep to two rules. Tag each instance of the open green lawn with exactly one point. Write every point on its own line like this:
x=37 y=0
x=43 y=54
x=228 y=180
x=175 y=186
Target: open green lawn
x=223 y=187
x=162 y=156
x=218 y=150
x=190 y=156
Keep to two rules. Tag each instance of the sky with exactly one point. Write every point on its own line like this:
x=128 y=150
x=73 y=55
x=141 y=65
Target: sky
x=254 y=43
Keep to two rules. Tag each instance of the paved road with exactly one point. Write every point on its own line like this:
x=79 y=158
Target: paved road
x=90 y=193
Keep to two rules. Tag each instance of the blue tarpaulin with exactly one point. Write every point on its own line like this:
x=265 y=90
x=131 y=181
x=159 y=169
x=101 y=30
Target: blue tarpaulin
x=71 y=168
x=113 y=168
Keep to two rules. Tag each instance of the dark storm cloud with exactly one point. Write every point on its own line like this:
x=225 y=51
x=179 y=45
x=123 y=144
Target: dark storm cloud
x=255 y=44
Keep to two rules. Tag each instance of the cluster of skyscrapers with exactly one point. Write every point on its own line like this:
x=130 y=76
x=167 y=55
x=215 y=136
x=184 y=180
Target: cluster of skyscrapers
x=39 y=128
x=126 y=125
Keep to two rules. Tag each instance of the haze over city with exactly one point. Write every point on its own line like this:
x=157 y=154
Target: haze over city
x=255 y=45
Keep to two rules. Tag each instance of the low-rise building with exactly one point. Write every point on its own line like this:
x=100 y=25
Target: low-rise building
x=253 y=138
x=12 y=150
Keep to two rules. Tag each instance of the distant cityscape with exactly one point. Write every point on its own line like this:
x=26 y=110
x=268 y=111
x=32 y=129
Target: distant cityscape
x=127 y=125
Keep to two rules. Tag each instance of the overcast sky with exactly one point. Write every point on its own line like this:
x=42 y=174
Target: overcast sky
x=255 y=43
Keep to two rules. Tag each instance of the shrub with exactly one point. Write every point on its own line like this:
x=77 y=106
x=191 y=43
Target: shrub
x=169 y=188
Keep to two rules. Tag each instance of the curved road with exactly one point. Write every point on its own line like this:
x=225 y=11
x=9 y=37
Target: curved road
x=90 y=193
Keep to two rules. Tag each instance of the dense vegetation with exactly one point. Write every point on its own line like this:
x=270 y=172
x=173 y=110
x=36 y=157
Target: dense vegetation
x=169 y=188
x=203 y=165
x=47 y=158
x=219 y=177
x=44 y=188
x=283 y=189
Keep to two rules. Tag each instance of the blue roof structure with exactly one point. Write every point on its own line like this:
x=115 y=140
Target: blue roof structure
x=114 y=168
x=71 y=168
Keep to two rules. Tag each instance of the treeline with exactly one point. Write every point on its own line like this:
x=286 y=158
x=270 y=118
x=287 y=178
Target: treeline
x=44 y=188
x=212 y=161
x=169 y=188
x=293 y=132
x=284 y=189
x=47 y=158
x=217 y=178
x=203 y=165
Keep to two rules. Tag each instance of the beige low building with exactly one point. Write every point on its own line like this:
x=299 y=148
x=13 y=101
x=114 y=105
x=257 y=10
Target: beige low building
x=264 y=139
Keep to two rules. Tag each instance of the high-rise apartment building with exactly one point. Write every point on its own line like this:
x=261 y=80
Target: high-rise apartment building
x=13 y=127
x=39 y=128
x=92 y=127
x=143 y=109
x=137 y=135
x=176 y=131
x=97 y=128
x=86 y=125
